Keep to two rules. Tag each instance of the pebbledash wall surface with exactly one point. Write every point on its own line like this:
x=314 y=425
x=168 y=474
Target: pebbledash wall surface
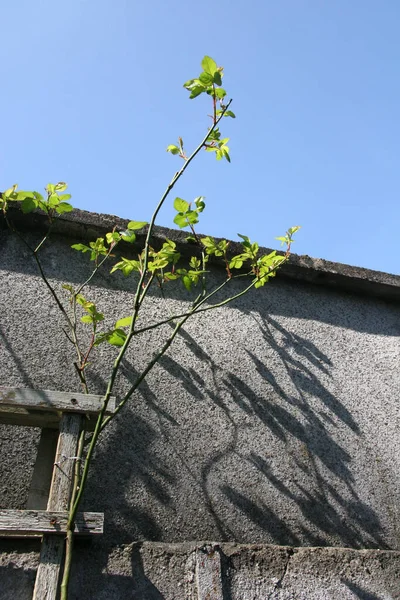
x=271 y=422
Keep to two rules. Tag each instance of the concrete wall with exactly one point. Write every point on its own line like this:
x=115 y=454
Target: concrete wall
x=210 y=571
x=274 y=420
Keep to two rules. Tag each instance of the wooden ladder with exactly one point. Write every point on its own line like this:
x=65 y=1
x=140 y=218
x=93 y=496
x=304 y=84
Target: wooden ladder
x=61 y=417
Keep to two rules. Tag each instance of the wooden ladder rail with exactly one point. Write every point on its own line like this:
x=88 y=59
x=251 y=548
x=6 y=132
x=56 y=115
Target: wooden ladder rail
x=61 y=416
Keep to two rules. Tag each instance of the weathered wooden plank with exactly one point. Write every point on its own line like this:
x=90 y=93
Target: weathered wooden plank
x=60 y=491
x=43 y=408
x=26 y=418
x=50 y=401
x=43 y=470
x=16 y=523
x=36 y=418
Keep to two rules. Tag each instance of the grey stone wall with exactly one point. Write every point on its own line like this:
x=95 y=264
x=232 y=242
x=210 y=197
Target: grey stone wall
x=274 y=420
x=210 y=571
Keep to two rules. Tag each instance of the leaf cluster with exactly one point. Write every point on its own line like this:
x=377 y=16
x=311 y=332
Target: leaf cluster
x=187 y=214
x=215 y=144
x=103 y=246
x=208 y=82
x=54 y=203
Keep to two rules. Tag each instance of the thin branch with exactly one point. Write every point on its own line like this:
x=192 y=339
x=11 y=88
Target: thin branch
x=176 y=178
x=40 y=244
x=205 y=299
x=146 y=371
x=140 y=294
x=70 y=524
x=52 y=290
x=101 y=263
x=195 y=310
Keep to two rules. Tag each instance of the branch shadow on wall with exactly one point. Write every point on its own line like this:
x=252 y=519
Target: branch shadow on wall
x=16 y=581
x=325 y=513
x=330 y=514
x=355 y=524
x=359 y=592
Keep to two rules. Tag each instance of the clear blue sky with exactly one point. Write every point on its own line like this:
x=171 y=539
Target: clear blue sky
x=92 y=94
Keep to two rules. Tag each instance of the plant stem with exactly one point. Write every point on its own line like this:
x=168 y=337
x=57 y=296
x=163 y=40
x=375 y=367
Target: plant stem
x=217 y=305
x=175 y=178
x=101 y=263
x=71 y=523
x=140 y=294
x=146 y=371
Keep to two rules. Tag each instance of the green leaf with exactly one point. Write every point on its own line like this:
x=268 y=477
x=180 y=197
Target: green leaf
x=293 y=230
x=64 y=207
x=196 y=91
x=65 y=197
x=133 y=225
x=181 y=221
x=223 y=247
x=173 y=149
x=218 y=78
x=113 y=236
x=191 y=239
x=128 y=236
x=208 y=242
x=209 y=65
x=206 y=78
x=192 y=217
x=81 y=247
x=87 y=319
x=50 y=188
x=269 y=259
x=200 y=205
x=181 y=205
x=159 y=263
x=81 y=300
x=28 y=205
x=194 y=262
x=171 y=276
x=220 y=93
x=283 y=240
x=53 y=200
x=68 y=287
x=225 y=152
x=126 y=266
x=98 y=247
x=60 y=186
x=214 y=136
x=169 y=245
x=187 y=282
x=246 y=241
x=10 y=191
x=117 y=337
x=22 y=195
x=125 y=322
x=229 y=113
x=90 y=307
x=100 y=338
x=236 y=262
